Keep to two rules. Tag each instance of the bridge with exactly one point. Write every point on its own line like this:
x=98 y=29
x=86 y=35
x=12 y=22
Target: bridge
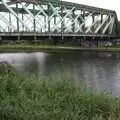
x=57 y=20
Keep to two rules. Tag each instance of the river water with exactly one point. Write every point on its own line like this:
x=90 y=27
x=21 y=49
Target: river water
x=98 y=70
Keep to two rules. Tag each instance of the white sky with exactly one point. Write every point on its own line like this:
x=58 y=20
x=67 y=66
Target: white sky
x=107 y=4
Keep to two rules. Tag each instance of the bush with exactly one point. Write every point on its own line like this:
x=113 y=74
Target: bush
x=29 y=98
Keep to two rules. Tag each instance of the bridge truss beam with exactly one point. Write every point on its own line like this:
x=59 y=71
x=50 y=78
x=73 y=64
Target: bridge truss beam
x=50 y=18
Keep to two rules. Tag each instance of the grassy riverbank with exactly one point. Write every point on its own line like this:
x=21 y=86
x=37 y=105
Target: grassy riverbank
x=52 y=48
x=29 y=98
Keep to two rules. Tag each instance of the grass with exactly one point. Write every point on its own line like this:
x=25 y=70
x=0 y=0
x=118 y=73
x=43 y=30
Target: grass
x=27 y=48
x=30 y=98
x=21 y=47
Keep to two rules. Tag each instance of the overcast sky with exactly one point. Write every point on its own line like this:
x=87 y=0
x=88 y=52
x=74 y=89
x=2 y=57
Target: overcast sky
x=107 y=4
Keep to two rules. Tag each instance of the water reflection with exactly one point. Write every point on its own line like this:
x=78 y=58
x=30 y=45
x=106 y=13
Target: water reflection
x=26 y=62
x=99 y=71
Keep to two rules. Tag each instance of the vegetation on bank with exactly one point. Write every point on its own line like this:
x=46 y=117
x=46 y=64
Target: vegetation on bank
x=51 y=48
x=56 y=98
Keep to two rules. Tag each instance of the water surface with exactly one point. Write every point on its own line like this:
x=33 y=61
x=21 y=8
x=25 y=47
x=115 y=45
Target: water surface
x=98 y=70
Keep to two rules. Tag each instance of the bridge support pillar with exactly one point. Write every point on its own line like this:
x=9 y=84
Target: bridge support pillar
x=35 y=38
x=62 y=38
x=18 y=38
x=91 y=42
x=82 y=42
x=96 y=42
x=0 y=38
x=49 y=38
x=100 y=42
x=73 y=40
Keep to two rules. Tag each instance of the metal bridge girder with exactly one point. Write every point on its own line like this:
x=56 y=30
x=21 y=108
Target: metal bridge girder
x=56 y=17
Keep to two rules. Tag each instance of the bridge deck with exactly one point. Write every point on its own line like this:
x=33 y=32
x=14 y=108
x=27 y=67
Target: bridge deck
x=52 y=34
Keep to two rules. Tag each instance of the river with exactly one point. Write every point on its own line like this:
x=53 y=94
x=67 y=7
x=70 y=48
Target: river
x=98 y=70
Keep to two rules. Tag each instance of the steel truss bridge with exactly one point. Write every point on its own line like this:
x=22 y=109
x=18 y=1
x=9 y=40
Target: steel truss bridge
x=58 y=20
